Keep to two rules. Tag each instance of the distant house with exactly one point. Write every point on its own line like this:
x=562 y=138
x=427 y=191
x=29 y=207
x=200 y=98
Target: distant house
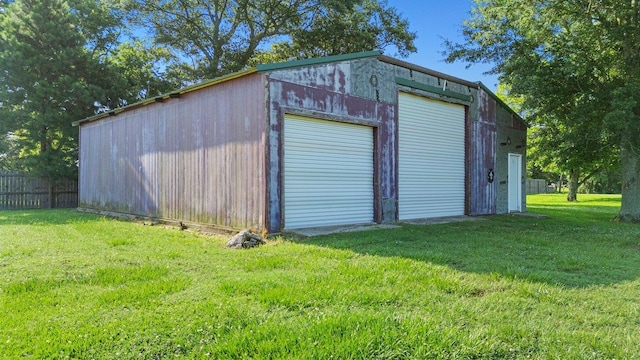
x=357 y=138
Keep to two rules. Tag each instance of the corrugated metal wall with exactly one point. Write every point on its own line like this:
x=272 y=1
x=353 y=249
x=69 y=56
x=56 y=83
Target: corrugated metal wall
x=326 y=92
x=365 y=90
x=215 y=155
x=199 y=158
x=482 y=158
x=496 y=133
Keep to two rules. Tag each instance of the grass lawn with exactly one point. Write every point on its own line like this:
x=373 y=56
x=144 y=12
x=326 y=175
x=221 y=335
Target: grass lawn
x=567 y=286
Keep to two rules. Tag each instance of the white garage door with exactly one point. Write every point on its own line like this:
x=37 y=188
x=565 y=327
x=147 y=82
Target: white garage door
x=328 y=173
x=431 y=147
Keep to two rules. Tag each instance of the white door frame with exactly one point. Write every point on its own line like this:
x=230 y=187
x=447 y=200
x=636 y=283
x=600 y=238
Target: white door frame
x=514 y=187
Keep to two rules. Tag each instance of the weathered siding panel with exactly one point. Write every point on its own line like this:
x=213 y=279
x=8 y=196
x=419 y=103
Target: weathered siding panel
x=387 y=165
x=374 y=80
x=199 y=158
x=332 y=77
x=323 y=92
x=482 y=158
x=511 y=138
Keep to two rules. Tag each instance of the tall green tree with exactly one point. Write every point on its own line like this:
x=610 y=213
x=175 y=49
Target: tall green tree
x=574 y=62
x=51 y=78
x=138 y=72
x=571 y=149
x=347 y=27
x=562 y=141
x=8 y=152
x=52 y=72
x=214 y=37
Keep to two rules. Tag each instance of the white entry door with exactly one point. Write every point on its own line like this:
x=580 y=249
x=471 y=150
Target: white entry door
x=515 y=182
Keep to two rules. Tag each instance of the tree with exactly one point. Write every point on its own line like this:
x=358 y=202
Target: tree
x=8 y=152
x=215 y=37
x=138 y=72
x=60 y=61
x=562 y=142
x=346 y=28
x=574 y=63
x=53 y=72
x=576 y=151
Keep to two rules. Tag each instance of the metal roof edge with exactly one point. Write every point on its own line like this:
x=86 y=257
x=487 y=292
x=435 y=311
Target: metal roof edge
x=317 y=61
x=432 y=89
x=408 y=65
x=161 y=98
x=497 y=99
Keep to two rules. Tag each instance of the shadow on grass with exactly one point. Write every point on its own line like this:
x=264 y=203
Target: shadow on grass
x=42 y=217
x=575 y=249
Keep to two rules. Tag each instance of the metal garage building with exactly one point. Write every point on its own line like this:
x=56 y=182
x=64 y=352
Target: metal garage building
x=358 y=138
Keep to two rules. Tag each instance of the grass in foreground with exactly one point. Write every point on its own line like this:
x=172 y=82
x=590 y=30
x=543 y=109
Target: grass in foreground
x=79 y=286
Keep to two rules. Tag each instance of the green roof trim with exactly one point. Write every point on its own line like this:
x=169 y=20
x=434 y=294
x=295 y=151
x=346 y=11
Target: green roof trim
x=317 y=61
x=432 y=89
x=172 y=95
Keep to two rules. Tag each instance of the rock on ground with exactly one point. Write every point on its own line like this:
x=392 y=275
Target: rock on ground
x=244 y=239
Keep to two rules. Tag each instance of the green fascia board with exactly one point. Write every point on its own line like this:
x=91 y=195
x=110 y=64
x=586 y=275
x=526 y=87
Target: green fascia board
x=432 y=89
x=317 y=61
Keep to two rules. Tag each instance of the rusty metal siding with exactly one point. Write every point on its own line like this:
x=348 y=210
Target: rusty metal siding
x=332 y=77
x=324 y=91
x=199 y=158
x=495 y=134
x=512 y=139
x=387 y=166
x=365 y=91
x=482 y=158
x=374 y=80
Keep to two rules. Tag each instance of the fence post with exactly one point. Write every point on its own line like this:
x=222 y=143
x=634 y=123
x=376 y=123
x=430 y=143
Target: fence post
x=51 y=194
x=19 y=190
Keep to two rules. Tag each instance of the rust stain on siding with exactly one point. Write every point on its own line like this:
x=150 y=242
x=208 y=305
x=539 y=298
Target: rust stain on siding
x=214 y=156
x=199 y=158
x=518 y=124
x=482 y=161
x=333 y=103
x=307 y=98
x=329 y=77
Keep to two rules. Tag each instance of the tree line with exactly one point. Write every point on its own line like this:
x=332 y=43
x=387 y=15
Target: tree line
x=64 y=60
x=574 y=66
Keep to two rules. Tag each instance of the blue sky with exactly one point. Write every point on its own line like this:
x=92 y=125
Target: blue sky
x=434 y=20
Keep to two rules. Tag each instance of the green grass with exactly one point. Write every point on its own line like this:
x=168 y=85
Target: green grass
x=567 y=286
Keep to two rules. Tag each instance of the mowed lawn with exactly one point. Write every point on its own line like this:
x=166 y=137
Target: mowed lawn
x=567 y=286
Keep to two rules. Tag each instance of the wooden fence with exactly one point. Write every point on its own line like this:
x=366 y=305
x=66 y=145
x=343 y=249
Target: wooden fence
x=538 y=186
x=21 y=191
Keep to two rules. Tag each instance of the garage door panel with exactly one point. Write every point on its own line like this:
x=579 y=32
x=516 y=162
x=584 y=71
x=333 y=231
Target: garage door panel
x=431 y=158
x=328 y=173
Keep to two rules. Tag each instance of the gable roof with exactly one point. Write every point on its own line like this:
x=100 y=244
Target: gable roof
x=262 y=68
x=161 y=98
x=317 y=61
